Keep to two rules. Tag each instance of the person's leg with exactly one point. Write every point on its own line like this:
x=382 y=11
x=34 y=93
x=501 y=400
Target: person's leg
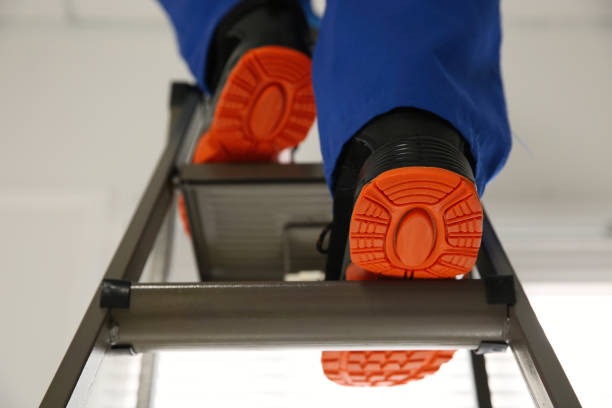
x=413 y=125
x=441 y=56
x=253 y=57
x=195 y=22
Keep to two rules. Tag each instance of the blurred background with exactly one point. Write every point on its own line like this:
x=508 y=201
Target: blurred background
x=83 y=114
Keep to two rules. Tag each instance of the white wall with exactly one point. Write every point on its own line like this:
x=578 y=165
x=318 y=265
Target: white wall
x=83 y=95
x=557 y=64
x=83 y=116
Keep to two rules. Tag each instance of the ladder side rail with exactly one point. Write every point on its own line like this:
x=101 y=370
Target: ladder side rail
x=541 y=369
x=127 y=264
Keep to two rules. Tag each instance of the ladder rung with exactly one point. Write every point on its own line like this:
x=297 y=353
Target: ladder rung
x=409 y=314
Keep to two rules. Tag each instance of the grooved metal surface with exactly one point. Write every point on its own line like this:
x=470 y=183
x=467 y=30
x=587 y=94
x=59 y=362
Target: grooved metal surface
x=245 y=231
x=409 y=314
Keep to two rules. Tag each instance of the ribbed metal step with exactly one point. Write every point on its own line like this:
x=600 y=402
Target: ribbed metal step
x=256 y=221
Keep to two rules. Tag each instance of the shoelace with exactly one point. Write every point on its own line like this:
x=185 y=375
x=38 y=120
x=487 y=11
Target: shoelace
x=321 y=239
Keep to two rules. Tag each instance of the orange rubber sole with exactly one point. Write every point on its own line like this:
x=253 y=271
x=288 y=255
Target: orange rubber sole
x=381 y=368
x=417 y=222
x=410 y=222
x=266 y=106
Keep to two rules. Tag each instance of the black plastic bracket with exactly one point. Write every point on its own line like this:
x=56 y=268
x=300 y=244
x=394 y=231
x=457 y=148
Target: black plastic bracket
x=115 y=294
x=125 y=349
x=491 y=347
x=179 y=93
x=500 y=289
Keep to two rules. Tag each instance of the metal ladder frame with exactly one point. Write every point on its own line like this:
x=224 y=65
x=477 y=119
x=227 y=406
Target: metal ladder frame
x=494 y=311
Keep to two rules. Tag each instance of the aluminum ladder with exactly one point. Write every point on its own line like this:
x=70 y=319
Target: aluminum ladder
x=283 y=207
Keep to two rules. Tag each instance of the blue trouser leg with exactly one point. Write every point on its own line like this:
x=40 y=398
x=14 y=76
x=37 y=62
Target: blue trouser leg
x=194 y=22
x=373 y=56
x=437 y=55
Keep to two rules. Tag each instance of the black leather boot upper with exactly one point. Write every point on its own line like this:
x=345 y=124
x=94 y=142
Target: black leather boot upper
x=403 y=137
x=252 y=24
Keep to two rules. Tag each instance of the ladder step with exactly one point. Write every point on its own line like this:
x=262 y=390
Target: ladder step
x=332 y=315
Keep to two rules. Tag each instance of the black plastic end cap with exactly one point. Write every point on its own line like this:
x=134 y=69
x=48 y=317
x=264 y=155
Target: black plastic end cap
x=500 y=290
x=490 y=347
x=115 y=294
x=180 y=91
x=125 y=349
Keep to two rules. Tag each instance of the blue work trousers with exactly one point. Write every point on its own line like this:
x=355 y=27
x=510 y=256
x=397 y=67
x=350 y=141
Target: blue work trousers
x=371 y=56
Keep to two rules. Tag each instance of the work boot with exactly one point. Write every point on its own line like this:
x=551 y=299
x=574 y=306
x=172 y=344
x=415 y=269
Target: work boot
x=405 y=207
x=258 y=71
